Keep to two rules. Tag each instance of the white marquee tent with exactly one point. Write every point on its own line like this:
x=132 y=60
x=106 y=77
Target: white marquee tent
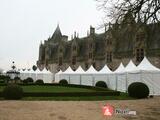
x=150 y=75
x=57 y=76
x=88 y=78
x=32 y=74
x=66 y=74
x=106 y=75
x=47 y=76
x=120 y=78
x=24 y=74
x=76 y=77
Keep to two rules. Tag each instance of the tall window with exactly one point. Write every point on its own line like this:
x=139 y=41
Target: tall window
x=60 y=61
x=74 y=48
x=139 y=55
x=91 y=46
x=140 y=37
x=60 y=50
x=73 y=60
x=109 y=42
x=109 y=57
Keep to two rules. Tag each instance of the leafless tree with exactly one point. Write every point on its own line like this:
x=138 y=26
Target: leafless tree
x=148 y=11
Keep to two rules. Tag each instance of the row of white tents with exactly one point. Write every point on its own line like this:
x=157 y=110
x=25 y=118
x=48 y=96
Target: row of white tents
x=44 y=75
x=119 y=79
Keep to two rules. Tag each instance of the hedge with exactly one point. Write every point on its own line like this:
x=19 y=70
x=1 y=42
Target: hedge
x=101 y=84
x=12 y=92
x=71 y=94
x=138 y=90
x=67 y=85
x=68 y=94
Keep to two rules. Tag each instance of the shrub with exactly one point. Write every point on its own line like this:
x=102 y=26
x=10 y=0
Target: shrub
x=28 y=80
x=12 y=92
x=39 y=81
x=138 y=90
x=4 y=78
x=17 y=78
x=101 y=84
x=63 y=82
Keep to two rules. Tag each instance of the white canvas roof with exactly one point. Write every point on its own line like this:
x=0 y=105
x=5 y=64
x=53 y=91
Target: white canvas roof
x=145 y=65
x=105 y=70
x=38 y=71
x=45 y=71
x=79 y=70
x=31 y=71
x=69 y=71
x=91 y=70
x=25 y=71
x=131 y=67
x=120 y=69
x=59 y=72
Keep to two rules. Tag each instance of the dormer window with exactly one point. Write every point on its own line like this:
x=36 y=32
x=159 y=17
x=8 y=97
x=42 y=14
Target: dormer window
x=140 y=37
x=73 y=60
x=139 y=55
x=60 y=50
x=109 y=57
x=60 y=61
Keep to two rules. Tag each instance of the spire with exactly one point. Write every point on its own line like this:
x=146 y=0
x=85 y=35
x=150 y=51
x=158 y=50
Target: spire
x=75 y=34
x=57 y=35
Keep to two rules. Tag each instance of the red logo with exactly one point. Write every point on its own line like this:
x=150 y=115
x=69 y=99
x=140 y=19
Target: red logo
x=108 y=110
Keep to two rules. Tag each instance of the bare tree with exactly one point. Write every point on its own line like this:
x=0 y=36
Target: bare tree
x=148 y=11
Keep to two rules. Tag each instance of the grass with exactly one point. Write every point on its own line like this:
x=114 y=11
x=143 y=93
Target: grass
x=39 y=88
x=89 y=98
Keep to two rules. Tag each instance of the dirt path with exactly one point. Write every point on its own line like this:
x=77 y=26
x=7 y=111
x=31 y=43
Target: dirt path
x=147 y=109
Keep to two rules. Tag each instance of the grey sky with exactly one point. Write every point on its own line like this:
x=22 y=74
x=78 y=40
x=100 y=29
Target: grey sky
x=24 y=23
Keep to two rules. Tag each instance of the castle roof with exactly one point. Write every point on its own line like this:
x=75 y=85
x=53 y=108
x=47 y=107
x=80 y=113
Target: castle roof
x=57 y=35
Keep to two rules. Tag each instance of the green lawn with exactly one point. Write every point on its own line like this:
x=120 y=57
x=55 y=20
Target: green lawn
x=38 y=88
x=53 y=89
x=123 y=96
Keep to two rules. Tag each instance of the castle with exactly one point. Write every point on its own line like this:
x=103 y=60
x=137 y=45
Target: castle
x=119 y=43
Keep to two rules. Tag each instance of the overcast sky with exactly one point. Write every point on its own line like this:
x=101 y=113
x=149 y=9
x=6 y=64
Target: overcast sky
x=24 y=23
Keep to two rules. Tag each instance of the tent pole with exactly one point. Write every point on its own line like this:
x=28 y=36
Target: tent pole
x=80 y=79
x=92 y=80
x=69 y=79
x=152 y=83
x=116 y=81
x=126 y=82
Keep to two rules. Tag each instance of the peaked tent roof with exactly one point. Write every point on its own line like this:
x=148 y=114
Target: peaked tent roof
x=38 y=71
x=31 y=71
x=120 y=69
x=80 y=70
x=59 y=72
x=131 y=67
x=68 y=71
x=105 y=70
x=45 y=71
x=91 y=70
x=145 y=65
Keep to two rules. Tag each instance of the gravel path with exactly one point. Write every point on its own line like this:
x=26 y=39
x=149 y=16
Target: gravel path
x=147 y=109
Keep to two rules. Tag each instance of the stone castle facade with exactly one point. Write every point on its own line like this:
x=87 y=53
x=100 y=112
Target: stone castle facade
x=120 y=43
